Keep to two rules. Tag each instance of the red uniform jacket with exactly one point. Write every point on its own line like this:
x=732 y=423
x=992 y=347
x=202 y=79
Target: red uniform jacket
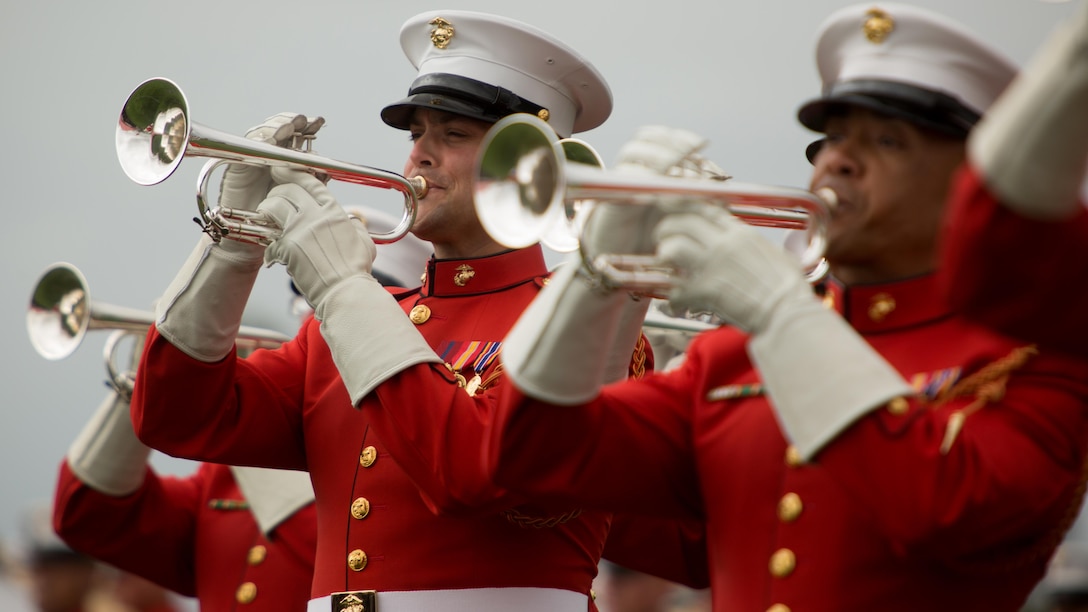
x=288 y=408
x=195 y=536
x=902 y=511
x=1023 y=277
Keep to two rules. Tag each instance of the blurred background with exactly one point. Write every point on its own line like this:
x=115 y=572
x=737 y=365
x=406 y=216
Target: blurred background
x=732 y=71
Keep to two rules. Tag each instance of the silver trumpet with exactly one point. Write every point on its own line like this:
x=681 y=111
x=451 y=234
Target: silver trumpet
x=61 y=313
x=526 y=187
x=155 y=132
x=121 y=379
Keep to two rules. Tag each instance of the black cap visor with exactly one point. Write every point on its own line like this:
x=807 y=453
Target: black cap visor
x=812 y=149
x=459 y=95
x=923 y=108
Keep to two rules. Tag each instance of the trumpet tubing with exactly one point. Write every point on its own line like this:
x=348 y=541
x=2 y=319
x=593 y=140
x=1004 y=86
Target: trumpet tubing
x=526 y=185
x=155 y=132
x=61 y=313
x=122 y=379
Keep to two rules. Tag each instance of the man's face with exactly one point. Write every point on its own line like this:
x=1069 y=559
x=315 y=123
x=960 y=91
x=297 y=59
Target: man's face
x=444 y=147
x=61 y=585
x=892 y=180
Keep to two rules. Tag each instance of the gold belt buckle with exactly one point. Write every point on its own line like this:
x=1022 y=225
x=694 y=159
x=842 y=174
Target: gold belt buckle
x=355 y=601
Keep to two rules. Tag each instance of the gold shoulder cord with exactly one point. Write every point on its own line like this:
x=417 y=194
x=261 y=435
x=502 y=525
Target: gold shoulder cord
x=986 y=386
x=638 y=359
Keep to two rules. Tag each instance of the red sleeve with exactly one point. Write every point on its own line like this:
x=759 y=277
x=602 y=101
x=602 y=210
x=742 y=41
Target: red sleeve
x=236 y=411
x=150 y=533
x=1023 y=277
x=679 y=548
x=438 y=442
x=982 y=492
x=630 y=444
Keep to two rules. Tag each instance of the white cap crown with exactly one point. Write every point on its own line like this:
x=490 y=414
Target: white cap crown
x=461 y=50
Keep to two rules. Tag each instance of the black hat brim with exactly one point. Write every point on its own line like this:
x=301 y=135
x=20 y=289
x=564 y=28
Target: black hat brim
x=926 y=109
x=813 y=149
x=458 y=95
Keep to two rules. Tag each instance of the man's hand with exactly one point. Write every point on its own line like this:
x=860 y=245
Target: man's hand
x=625 y=228
x=321 y=244
x=1031 y=147
x=726 y=267
x=245 y=186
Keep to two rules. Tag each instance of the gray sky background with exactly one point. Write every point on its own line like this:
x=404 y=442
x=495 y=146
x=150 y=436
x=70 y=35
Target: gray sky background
x=732 y=71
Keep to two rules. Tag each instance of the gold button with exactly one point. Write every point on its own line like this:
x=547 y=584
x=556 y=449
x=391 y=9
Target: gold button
x=543 y=114
x=829 y=301
x=419 y=315
x=368 y=456
x=246 y=593
x=257 y=555
x=360 y=508
x=898 y=406
x=782 y=563
x=357 y=560
x=881 y=306
x=793 y=456
x=779 y=608
x=789 y=507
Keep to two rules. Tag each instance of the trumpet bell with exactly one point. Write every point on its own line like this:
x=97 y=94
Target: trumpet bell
x=61 y=313
x=522 y=160
x=517 y=162
x=526 y=186
x=152 y=131
x=155 y=131
x=563 y=233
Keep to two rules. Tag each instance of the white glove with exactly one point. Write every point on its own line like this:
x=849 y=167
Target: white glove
x=726 y=267
x=321 y=244
x=1032 y=145
x=624 y=228
x=328 y=255
x=245 y=186
x=820 y=375
x=273 y=495
x=658 y=149
x=201 y=311
x=576 y=336
x=106 y=455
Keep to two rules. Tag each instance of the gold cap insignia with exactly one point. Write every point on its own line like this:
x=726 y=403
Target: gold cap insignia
x=543 y=114
x=878 y=25
x=441 y=33
x=464 y=274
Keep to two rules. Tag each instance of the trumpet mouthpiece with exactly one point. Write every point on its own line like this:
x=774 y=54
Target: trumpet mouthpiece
x=829 y=196
x=420 y=185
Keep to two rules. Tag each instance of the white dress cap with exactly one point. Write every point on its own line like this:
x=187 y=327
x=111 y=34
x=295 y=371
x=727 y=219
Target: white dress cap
x=463 y=56
x=921 y=65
